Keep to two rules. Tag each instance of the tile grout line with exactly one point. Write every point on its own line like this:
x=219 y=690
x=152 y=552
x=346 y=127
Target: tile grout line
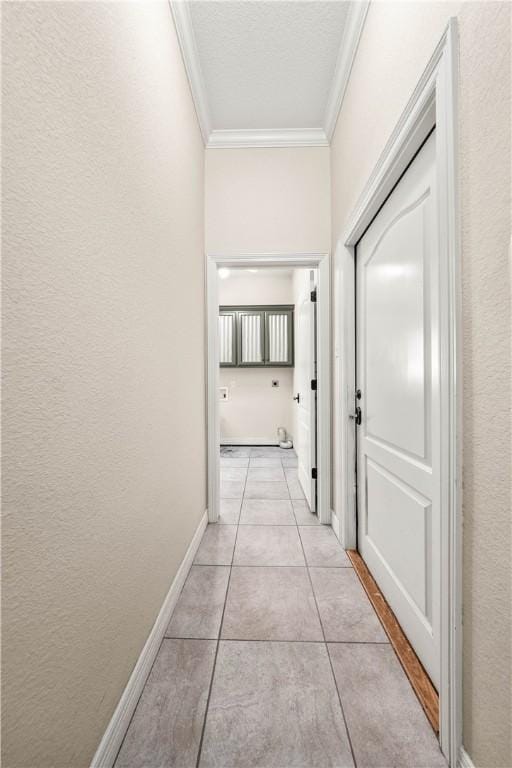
x=245 y=565
x=293 y=509
x=329 y=655
x=138 y=701
x=164 y=638
x=289 y=494
x=324 y=641
x=218 y=638
x=291 y=641
x=200 y=748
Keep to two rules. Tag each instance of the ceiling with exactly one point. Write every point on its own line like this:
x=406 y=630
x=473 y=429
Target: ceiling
x=268 y=72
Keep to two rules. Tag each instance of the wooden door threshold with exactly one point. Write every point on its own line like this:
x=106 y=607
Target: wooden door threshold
x=413 y=668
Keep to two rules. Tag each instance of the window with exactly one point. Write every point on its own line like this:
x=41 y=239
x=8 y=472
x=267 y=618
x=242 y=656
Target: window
x=227 y=338
x=251 y=338
x=256 y=336
x=278 y=334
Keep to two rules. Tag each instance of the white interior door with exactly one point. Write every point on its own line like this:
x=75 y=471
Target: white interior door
x=398 y=364
x=305 y=441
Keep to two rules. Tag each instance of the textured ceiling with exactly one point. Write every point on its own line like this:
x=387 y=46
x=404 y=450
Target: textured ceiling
x=267 y=65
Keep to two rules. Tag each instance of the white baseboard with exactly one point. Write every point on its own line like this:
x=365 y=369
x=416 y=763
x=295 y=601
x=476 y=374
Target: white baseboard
x=464 y=760
x=249 y=441
x=116 y=729
x=336 y=525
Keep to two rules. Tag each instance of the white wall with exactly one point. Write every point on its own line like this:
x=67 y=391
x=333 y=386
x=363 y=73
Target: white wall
x=272 y=285
x=103 y=400
x=267 y=200
x=255 y=409
x=396 y=43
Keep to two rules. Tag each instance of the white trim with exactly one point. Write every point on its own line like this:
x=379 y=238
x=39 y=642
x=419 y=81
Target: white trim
x=348 y=49
x=185 y=32
x=433 y=102
x=212 y=385
x=271 y=137
x=464 y=759
x=249 y=441
x=321 y=262
x=335 y=524
x=270 y=259
x=451 y=556
x=344 y=388
x=112 y=738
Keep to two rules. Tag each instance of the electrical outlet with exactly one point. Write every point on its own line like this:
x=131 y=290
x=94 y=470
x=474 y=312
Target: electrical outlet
x=275 y=382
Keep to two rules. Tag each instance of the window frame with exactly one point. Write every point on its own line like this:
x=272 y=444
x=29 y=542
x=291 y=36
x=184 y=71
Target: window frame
x=263 y=310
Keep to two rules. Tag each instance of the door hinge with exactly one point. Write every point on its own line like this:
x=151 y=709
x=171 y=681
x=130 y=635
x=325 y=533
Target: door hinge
x=313 y=295
x=314 y=473
x=313 y=385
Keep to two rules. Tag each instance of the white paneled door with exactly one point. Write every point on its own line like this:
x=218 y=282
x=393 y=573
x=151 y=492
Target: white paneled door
x=398 y=369
x=305 y=372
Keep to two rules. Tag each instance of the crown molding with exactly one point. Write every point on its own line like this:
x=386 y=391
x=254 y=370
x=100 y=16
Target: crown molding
x=348 y=49
x=185 y=32
x=292 y=137
x=288 y=137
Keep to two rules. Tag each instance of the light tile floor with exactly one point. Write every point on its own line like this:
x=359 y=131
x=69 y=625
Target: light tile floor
x=274 y=656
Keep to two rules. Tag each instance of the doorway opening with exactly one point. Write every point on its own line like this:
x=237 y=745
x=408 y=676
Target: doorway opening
x=269 y=380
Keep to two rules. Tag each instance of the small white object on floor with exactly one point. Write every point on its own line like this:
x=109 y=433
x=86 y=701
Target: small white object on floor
x=282 y=438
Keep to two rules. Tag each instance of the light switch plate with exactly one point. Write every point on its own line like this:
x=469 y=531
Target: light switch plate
x=275 y=382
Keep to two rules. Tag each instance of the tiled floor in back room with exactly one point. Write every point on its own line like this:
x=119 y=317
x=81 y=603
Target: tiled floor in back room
x=274 y=655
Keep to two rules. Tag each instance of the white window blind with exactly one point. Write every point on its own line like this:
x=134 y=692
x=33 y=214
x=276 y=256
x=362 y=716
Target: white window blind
x=278 y=338
x=251 y=338
x=226 y=330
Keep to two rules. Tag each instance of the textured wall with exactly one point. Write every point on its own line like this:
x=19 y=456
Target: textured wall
x=255 y=409
x=104 y=437
x=383 y=77
x=485 y=165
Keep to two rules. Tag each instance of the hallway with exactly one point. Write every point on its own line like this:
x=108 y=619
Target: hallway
x=274 y=655
x=169 y=602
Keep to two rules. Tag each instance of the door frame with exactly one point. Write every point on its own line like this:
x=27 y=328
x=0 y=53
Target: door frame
x=433 y=103
x=312 y=375
x=320 y=262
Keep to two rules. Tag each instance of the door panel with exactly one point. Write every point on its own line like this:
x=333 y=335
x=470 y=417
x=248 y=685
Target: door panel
x=395 y=353
x=408 y=513
x=398 y=454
